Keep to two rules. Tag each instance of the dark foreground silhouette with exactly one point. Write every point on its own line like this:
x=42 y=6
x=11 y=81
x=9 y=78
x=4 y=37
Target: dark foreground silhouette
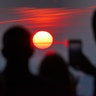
x=17 y=51
x=94 y=32
x=85 y=65
x=58 y=80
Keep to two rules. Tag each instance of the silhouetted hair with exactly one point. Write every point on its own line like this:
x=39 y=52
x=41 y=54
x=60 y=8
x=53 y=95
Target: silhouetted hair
x=54 y=72
x=54 y=67
x=16 y=40
x=94 y=24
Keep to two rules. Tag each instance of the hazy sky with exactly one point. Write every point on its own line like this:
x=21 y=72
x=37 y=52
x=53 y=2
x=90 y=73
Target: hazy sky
x=47 y=3
x=75 y=24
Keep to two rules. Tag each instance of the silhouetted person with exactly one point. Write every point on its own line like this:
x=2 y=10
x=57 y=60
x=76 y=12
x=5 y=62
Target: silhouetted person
x=17 y=50
x=94 y=24
x=85 y=65
x=58 y=81
x=94 y=32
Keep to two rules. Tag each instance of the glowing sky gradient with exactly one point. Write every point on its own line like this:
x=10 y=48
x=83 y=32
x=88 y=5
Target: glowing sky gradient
x=69 y=20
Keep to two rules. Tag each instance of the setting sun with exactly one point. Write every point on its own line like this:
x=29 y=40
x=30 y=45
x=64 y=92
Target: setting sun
x=42 y=39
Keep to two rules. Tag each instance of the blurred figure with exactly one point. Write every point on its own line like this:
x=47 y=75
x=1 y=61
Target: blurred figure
x=85 y=65
x=17 y=50
x=94 y=24
x=58 y=81
x=94 y=32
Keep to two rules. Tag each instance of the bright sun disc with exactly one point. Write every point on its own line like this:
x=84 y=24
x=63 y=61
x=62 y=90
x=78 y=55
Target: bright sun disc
x=42 y=39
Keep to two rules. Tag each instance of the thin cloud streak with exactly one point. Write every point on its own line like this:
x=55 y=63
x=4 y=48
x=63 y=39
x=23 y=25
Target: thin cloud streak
x=43 y=16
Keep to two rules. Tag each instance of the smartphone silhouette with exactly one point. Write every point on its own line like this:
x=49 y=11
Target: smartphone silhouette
x=75 y=51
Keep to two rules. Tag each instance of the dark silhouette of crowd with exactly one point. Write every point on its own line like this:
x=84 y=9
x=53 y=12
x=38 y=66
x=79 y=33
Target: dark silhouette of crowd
x=54 y=77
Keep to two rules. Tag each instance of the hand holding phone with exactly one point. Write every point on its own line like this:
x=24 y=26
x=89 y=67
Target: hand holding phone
x=75 y=51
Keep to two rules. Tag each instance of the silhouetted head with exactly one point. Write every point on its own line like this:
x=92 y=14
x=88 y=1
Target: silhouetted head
x=54 y=72
x=54 y=67
x=16 y=43
x=94 y=24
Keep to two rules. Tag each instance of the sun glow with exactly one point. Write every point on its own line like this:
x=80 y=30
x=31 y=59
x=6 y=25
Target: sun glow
x=42 y=39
